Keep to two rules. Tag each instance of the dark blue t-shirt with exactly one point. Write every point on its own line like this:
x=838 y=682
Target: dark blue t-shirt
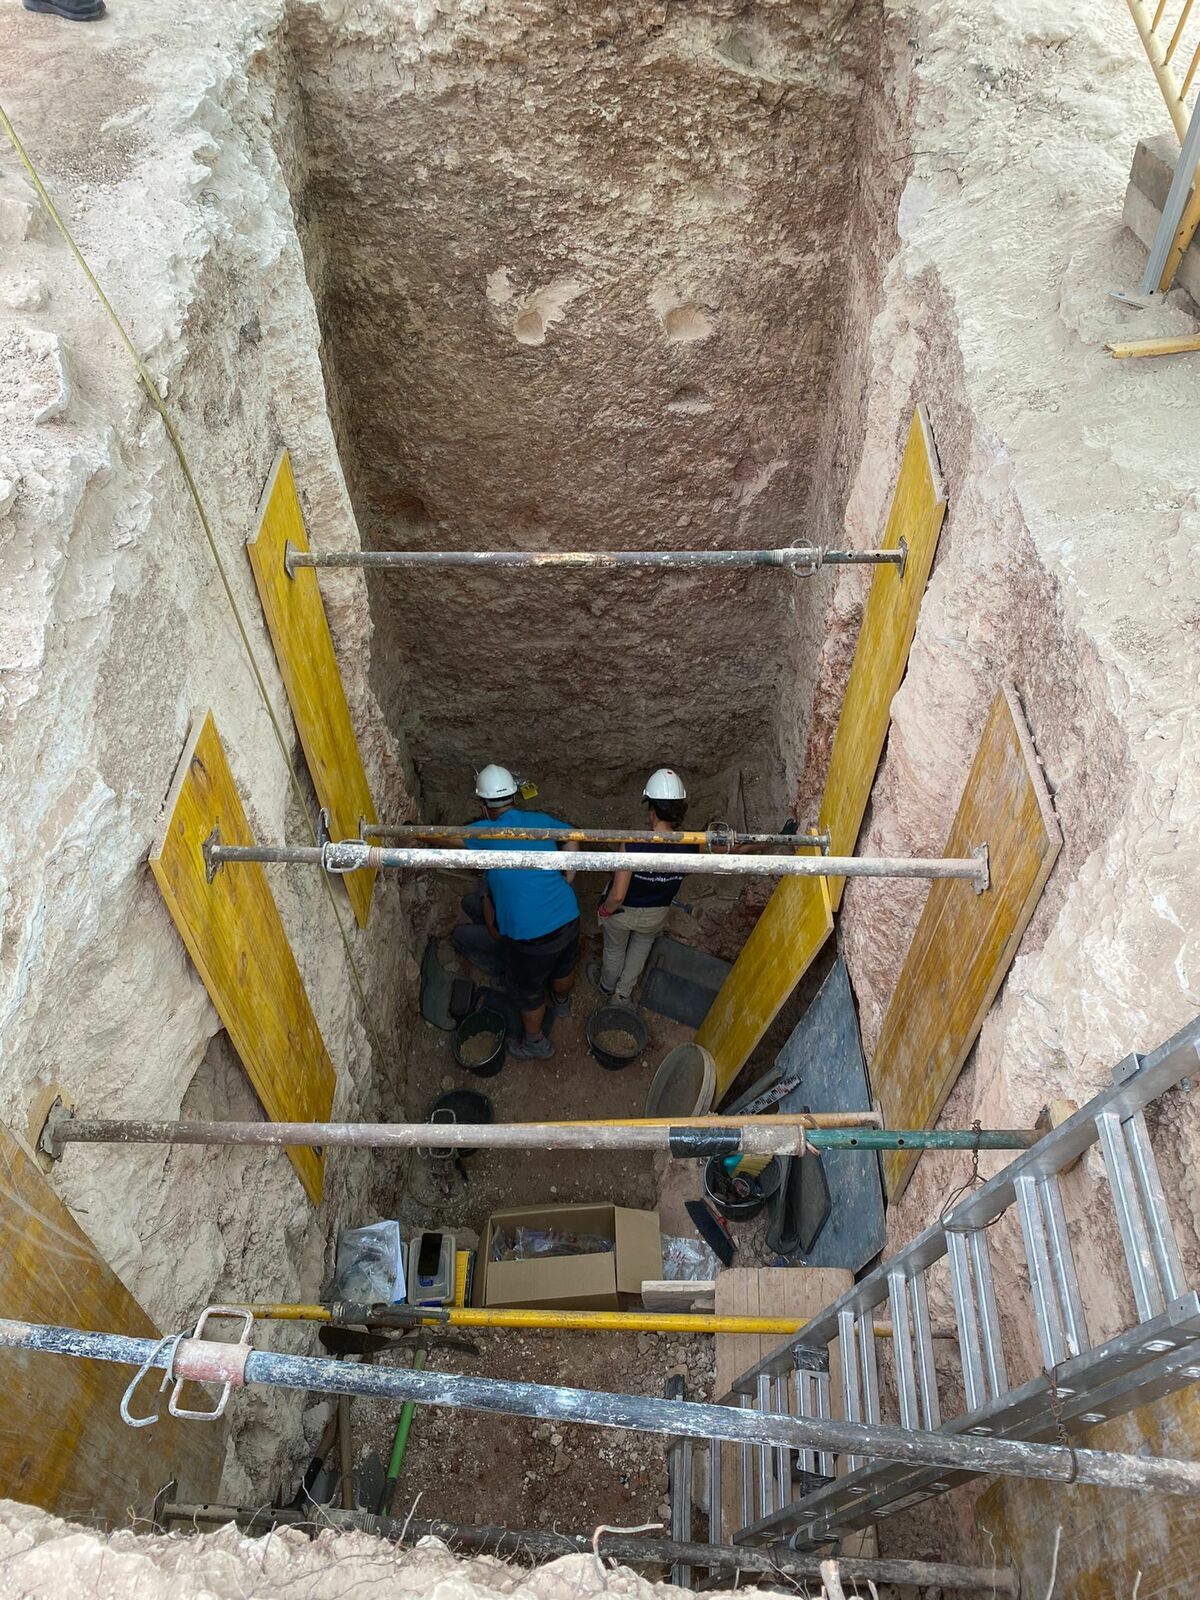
x=655 y=888
x=528 y=904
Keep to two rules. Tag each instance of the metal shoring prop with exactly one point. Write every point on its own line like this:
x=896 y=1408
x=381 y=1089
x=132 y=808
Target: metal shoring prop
x=236 y=1366
x=805 y=559
x=356 y=855
x=776 y=1135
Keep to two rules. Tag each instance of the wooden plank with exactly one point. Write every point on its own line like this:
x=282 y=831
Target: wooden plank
x=795 y=923
x=1112 y=1544
x=233 y=933
x=682 y=1295
x=762 y=1292
x=965 y=942
x=884 y=640
x=304 y=650
x=63 y=1445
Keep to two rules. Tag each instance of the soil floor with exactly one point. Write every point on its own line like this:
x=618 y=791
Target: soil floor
x=516 y=1472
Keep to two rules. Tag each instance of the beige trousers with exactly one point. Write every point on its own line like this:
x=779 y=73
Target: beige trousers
x=628 y=937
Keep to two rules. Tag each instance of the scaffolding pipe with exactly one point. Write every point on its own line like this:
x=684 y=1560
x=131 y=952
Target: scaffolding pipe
x=772 y=1135
x=717 y=839
x=805 y=559
x=237 y=1366
x=628 y=1549
x=344 y=1314
x=355 y=855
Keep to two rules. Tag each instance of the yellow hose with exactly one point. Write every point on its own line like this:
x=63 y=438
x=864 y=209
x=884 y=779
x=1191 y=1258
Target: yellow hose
x=576 y=1321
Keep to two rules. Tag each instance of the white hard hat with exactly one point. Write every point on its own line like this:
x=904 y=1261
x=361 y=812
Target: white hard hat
x=495 y=783
x=664 y=785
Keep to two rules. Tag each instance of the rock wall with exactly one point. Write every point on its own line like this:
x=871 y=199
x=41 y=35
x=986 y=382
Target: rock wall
x=585 y=293
x=115 y=628
x=1068 y=564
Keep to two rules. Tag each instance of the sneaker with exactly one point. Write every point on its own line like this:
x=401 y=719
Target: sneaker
x=73 y=10
x=527 y=1049
x=593 y=977
x=558 y=1005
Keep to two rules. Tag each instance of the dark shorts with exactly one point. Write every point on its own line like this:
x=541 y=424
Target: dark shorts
x=531 y=964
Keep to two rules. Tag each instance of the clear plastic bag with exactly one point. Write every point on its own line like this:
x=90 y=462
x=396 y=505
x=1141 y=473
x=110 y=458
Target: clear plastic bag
x=688 y=1260
x=370 y=1265
x=535 y=1244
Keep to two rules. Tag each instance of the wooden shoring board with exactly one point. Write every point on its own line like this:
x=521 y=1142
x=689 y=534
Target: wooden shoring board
x=63 y=1445
x=884 y=640
x=795 y=923
x=965 y=942
x=304 y=650
x=798 y=917
x=234 y=935
x=1111 y=1544
x=765 y=1292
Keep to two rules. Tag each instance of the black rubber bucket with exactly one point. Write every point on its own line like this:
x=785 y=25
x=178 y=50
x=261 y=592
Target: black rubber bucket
x=461 y=1105
x=718 y=1187
x=475 y=1026
x=615 y=1019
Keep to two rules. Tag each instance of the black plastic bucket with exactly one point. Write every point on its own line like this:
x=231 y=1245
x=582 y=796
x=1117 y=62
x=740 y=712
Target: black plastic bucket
x=461 y=1105
x=718 y=1187
x=615 y=1019
x=480 y=1022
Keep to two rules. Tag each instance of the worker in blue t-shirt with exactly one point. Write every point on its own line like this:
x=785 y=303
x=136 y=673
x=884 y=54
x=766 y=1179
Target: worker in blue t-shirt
x=534 y=914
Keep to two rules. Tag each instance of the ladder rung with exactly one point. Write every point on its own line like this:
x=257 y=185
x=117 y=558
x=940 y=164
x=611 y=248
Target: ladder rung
x=868 y=1366
x=989 y=1316
x=926 y=1367
x=1070 y=1302
x=746 y=1471
x=1042 y=1285
x=851 y=1399
x=1139 y=1256
x=968 y=1327
x=902 y=1351
x=781 y=1402
x=766 y=1477
x=1154 y=1206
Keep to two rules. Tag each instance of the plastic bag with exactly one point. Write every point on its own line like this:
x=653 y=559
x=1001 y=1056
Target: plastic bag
x=370 y=1265
x=535 y=1244
x=688 y=1259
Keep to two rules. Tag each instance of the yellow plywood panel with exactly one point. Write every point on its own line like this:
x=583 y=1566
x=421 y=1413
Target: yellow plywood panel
x=1113 y=1544
x=965 y=941
x=881 y=654
x=795 y=923
x=234 y=935
x=304 y=651
x=63 y=1445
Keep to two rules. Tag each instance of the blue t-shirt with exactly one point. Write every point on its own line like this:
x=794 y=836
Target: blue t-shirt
x=528 y=904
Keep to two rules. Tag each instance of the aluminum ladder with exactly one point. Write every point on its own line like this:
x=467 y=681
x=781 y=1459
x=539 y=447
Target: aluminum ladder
x=807 y=1499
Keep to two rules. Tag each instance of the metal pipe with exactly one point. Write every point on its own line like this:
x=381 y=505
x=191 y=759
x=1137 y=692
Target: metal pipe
x=355 y=855
x=203 y=1361
x=709 y=838
x=803 y=558
x=625 y=1548
x=777 y=1135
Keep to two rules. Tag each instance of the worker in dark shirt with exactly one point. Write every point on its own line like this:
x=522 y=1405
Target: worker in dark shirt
x=635 y=906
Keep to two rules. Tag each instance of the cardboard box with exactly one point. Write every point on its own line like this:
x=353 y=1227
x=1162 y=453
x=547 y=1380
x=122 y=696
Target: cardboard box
x=611 y=1281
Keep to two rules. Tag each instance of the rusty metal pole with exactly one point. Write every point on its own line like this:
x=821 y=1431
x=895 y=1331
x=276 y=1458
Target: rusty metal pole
x=238 y=1366
x=802 y=558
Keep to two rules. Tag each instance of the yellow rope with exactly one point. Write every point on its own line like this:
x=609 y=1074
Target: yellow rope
x=159 y=404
